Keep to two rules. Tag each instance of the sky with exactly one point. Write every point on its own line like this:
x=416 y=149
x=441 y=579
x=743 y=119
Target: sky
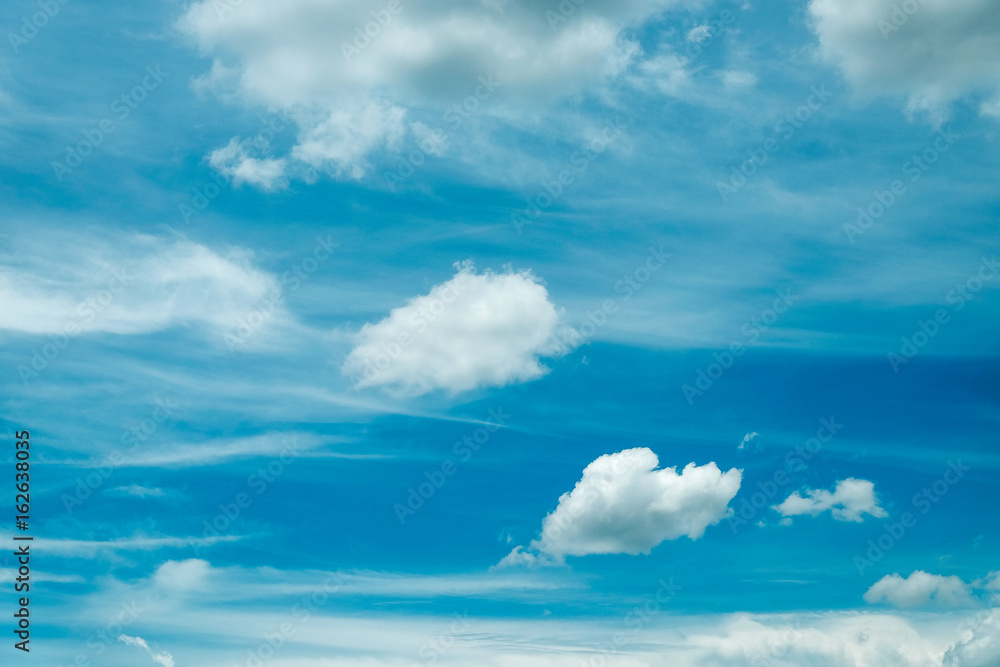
x=505 y=333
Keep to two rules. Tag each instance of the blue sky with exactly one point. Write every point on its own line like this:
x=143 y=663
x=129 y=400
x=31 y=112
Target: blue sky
x=638 y=333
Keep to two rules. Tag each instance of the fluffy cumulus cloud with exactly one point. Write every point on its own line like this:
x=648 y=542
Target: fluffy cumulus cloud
x=929 y=52
x=68 y=286
x=919 y=589
x=349 y=74
x=625 y=504
x=475 y=330
x=849 y=501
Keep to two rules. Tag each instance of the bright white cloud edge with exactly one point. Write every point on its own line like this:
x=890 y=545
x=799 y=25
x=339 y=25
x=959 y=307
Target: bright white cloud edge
x=624 y=503
x=474 y=330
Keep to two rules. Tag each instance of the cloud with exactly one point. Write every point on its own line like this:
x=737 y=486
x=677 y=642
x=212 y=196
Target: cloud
x=919 y=589
x=89 y=548
x=350 y=75
x=821 y=639
x=981 y=648
x=234 y=161
x=738 y=79
x=699 y=33
x=246 y=599
x=817 y=640
x=176 y=575
x=991 y=582
x=850 y=499
x=625 y=504
x=236 y=583
x=341 y=141
x=531 y=557
x=475 y=330
x=750 y=443
x=666 y=72
x=213 y=452
x=164 y=658
x=432 y=141
x=68 y=285
x=10 y=574
x=137 y=491
x=931 y=55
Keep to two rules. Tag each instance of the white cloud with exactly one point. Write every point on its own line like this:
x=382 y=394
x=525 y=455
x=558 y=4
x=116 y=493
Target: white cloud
x=90 y=548
x=475 y=330
x=667 y=72
x=349 y=92
x=213 y=452
x=738 y=79
x=750 y=443
x=237 y=583
x=137 y=491
x=67 y=285
x=234 y=160
x=981 y=645
x=433 y=142
x=699 y=33
x=663 y=638
x=531 y=557
x=625 y=504
x=932 y=55
x=10 y=574
x=817 y=640
x=164 y=658
x=388 y=638
x=991 y=108
x=850 y=499
x=341 y=141
x=919 y=589
x=991 y=582
x=176 y=575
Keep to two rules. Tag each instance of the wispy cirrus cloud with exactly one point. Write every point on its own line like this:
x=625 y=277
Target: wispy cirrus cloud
x=71 y=548
x=185 y=454
x=73 y=284
x=164 y=658
x=137 y=491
